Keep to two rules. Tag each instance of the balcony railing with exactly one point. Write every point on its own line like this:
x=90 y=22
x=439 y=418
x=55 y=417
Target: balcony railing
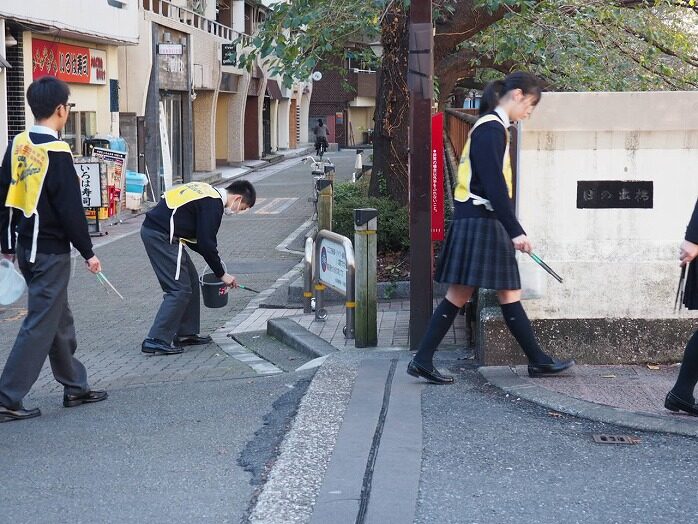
x=190 y=18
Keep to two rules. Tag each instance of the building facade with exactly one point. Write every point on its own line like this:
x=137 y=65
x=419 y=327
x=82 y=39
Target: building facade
x=345 y=99
x=187 y=109
x=158 y=75
x=66 y=40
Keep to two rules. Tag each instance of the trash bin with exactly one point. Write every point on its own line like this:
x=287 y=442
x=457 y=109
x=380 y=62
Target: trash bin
x=135 y=185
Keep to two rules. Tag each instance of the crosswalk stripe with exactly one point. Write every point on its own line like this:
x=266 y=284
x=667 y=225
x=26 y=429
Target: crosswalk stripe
x=273 y=207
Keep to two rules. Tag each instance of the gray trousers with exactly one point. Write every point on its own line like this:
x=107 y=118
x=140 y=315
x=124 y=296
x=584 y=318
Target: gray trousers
x=47 y=330
x=179 y=313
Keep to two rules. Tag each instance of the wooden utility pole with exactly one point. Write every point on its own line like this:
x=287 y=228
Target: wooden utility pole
x=420 y=77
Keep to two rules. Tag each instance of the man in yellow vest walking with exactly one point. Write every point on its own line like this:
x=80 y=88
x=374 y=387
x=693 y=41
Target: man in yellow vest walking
x=40 y=216
x=189 y=214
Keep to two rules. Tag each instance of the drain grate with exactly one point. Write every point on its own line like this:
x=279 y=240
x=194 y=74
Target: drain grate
x=615 y=439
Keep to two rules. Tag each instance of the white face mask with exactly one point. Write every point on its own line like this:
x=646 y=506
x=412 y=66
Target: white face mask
x=227 y=211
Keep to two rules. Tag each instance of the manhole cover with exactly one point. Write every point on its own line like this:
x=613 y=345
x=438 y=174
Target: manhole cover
x=615 y=439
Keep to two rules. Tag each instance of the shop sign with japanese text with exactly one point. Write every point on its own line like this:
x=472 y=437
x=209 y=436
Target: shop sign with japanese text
x=70 y=63
x=90 y=184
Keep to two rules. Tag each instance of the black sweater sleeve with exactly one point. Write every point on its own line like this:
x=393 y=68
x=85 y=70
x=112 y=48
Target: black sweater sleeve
x=487 y=148
x=208 y=221
x=64 y=197
x=692 y=231
x=7 y=233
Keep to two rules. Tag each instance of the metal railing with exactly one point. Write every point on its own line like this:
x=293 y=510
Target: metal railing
x=190 y=18
x=459 y=122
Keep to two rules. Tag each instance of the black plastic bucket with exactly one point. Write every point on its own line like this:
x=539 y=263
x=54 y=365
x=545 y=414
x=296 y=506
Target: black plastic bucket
x=213 y=291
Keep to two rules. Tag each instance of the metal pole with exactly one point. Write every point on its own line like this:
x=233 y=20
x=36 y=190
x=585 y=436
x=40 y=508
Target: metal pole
x=365 y=248
x=308 y=276
x=420 y=81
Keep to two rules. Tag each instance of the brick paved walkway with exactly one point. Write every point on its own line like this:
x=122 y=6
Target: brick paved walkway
x=393 y=325
x=110 y=331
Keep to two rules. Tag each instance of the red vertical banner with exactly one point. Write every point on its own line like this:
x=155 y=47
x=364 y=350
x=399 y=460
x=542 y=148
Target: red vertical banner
x=437 y=177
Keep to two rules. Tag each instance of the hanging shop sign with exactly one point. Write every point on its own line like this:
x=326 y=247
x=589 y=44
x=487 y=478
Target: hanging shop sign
x=70 y=63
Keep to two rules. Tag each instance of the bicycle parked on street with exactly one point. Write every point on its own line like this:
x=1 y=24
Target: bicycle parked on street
x=320 y=171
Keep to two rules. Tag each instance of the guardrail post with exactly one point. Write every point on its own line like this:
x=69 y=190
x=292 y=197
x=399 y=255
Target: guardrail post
x=308 y=276
x=365 y=252
x=324 y=205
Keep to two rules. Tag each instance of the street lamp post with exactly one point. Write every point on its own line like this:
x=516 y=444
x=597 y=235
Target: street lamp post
x=420 y=81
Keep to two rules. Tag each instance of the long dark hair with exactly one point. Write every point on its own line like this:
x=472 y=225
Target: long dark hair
x=528 y=83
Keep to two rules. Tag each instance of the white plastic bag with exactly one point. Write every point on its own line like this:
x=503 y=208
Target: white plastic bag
x=12 y=283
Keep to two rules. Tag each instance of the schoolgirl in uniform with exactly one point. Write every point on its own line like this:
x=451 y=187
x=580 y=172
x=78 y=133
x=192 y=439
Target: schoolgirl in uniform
x=480 y=247
x=681 y=398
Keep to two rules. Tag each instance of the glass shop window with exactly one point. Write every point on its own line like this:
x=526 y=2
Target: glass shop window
x=80 y=126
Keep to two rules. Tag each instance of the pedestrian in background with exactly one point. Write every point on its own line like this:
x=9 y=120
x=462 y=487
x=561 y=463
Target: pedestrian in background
x=320 y=131
x=41 y=215
x=479 y=251
x=681 y=398
x=188 y=214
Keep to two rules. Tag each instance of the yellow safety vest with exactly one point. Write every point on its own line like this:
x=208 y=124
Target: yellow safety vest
x=181 y=195
x=462 y=192
x=29 y=166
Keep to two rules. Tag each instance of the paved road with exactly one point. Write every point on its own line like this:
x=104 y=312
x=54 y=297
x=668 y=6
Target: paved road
x=185 y=438
x=157 y=454
x=489 y=458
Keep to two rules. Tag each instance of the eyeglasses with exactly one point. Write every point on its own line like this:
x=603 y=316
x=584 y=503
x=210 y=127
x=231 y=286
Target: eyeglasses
x=68 y=106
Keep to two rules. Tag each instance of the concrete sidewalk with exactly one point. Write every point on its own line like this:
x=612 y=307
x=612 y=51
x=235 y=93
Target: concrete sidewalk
x=627 y=395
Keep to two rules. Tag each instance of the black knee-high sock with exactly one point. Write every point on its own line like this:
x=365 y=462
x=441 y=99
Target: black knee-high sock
x=519 y=325
x=688 y=374
x=439 y=325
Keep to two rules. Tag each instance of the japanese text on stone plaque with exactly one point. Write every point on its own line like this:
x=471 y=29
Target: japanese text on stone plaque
x=615 y=194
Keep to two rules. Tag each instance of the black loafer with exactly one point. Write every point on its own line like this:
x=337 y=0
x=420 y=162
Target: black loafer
x=158 y=347
x=191 y=340
x=544 y=370
x=7 y=414
x=432 y=375
x=70 y=401
x=675 y=403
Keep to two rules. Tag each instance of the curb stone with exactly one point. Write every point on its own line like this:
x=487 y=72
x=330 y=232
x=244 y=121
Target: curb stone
x=507 y=380
x=290 y=333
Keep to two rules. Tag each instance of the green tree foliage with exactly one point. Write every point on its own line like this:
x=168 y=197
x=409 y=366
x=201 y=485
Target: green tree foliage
x=572 y=44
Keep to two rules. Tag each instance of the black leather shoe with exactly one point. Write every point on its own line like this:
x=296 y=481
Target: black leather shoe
x=191 y=340
x=675 y=403
x=7 y=414
x=158 y=347
x=70 y=401
x=432 y=375
x=544 y=370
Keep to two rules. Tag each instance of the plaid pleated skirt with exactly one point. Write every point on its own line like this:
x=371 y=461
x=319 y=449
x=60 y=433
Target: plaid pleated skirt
x=478 y=252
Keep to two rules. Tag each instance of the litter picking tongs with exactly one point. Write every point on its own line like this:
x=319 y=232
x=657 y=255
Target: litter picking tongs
x=248 y=288
x=678 y=303
x=106 y=284
x=545 y=266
